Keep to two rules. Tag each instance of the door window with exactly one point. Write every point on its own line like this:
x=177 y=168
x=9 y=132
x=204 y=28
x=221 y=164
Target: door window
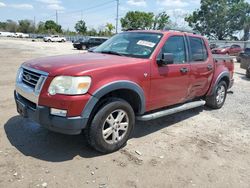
x=176 y=46
x=198 y=49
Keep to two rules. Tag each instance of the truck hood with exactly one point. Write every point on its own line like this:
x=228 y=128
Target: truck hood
x=79 y=64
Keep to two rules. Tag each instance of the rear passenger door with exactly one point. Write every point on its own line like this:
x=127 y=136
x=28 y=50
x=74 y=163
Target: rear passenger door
x=201 y=67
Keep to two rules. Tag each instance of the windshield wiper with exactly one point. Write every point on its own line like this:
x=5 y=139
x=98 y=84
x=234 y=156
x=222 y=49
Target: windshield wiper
x=111 y=52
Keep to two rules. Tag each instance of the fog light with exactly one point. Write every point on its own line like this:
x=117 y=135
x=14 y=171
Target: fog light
x=58 y=112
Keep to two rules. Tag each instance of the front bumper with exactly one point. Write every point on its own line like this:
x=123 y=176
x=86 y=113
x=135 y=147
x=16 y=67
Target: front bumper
x=41 y=115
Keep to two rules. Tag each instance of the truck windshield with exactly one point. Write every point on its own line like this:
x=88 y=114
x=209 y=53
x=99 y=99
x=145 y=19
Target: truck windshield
x=131 y=44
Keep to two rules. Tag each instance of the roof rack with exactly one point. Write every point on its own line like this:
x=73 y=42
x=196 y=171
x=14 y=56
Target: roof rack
x=180 y=30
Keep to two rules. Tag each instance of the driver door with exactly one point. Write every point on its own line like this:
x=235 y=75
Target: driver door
x=170 y=83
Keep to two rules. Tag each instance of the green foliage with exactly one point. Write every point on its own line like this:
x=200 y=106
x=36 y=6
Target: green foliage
x=51 y=27
x=92 y=32
x=161 y=20
x=246 y=28
x=3 y=26
x=41 y=28
x=81 y=27
x=137 y=20
x=219 y=19
x=26 y=26
x=11 y=26
x=110 y=27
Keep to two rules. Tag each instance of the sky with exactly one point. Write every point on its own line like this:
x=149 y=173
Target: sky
x=96 y=13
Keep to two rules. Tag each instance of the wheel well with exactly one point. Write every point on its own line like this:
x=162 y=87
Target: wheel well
x=226 y=79
x=128 y=95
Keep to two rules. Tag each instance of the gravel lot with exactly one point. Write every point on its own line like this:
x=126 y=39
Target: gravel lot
x=197 y=148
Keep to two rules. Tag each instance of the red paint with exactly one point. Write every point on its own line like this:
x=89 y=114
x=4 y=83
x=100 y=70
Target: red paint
x=163 y=85
x=227 y=50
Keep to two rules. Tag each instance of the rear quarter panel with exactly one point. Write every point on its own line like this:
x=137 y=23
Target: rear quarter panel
x=221 y=67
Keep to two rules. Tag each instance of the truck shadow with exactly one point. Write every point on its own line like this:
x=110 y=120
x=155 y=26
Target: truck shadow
x=33 y=140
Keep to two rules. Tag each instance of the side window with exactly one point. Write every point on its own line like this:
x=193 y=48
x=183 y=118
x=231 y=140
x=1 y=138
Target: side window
x=98 y=40
x=176 y=46
x=198 y=49
x=91 y=40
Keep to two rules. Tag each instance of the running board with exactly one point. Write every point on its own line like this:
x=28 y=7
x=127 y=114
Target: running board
x=170 y=111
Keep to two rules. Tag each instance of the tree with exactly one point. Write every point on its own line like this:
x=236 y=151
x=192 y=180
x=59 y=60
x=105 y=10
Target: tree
x=137 y=20
x=3 y=25
x=219 y=19
x=110 y=27
x=92 y=32
x=26 y=26
x=51 y=27
x=160 y=21
x=80 y=27
x=11 y=26
x=246 y=28
x=41 y=28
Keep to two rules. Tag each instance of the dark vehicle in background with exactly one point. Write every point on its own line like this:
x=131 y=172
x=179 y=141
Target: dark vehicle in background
x=245 y=53
x=245 y=61
x=228 y=50
x=84 y=44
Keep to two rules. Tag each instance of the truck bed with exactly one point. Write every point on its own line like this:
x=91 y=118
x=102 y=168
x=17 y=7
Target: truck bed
x=225 y=58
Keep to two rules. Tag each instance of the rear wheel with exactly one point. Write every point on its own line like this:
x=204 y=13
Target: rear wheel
x=217 y=100
x=111 y=126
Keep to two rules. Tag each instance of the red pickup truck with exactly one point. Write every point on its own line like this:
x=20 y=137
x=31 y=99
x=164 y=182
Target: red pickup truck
x=228 y=50
x=140 y=75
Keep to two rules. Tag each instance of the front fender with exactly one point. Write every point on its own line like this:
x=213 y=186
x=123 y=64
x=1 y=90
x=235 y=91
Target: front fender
x=122 y=84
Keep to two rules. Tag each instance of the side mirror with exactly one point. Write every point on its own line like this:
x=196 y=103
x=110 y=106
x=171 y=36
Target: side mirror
x=167 y=58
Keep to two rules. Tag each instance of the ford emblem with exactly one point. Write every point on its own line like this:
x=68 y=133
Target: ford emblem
x=27 y=77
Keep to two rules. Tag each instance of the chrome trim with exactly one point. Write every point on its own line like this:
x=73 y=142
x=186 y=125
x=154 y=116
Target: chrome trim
x=31 y=94
x=35 y=70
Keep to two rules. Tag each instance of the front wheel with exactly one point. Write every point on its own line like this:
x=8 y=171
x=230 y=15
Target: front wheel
x=217 y=100
x=111 y=126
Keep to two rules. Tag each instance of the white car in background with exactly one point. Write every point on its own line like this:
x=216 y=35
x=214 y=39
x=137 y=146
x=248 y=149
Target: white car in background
x=6 y=34
x=21 y=35
x=54 y=38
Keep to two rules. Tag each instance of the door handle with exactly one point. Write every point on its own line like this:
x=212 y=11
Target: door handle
x=210 y=67
x=184 y=70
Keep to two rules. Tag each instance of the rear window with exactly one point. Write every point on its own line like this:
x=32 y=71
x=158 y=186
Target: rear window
x=198 y=49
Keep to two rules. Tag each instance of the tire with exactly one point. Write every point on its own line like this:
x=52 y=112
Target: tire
x=49 y=40
x=63 y=40
x=217 y=100
x=109 y=142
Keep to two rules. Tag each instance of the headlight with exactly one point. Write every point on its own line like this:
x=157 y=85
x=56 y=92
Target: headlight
x=223 y=50
x=69 y=85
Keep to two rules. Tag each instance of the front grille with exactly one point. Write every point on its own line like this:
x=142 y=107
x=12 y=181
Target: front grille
x=30 y=78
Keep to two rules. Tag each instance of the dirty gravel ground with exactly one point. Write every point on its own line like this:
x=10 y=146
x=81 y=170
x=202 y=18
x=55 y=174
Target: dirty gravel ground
x=197 y=148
